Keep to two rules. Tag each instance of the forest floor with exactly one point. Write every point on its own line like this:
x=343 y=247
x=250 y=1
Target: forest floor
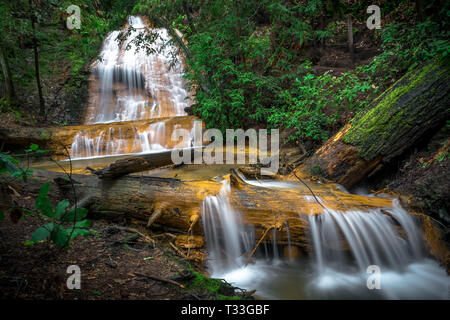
x=112 y=266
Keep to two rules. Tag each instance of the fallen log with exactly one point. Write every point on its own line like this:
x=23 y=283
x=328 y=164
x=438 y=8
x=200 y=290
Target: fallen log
x=136 y=164
x=138 y=197
x=135 y=198
x=402 y=116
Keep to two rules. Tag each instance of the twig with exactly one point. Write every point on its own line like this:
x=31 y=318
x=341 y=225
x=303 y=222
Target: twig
x=160 y=279
x=312 y=192
x=69 y=175
x=178 y=250
x=259 y=242
x=145 y=237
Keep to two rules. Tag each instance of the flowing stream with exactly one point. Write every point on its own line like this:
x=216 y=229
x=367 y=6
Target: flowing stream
x=344 y=245
x=135 y=103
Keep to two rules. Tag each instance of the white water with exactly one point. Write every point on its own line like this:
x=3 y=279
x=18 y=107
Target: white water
x=227 y=240
x=373 y=238
x=135 y=86
x=129 y=84
x=143 y=75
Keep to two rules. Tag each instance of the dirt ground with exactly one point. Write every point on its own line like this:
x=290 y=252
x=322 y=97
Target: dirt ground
x=110 y=268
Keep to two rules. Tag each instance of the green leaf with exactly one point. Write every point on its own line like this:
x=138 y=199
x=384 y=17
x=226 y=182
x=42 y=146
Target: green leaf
x=28 y=243
x=34 y=147
x=45 y=206
x=79 y=232
x=44 y=190
x=71 y=216
x=42 y=202
x=61 y=208
x=28 y=212
x=42 y=232
x=8 y=163
x=60 y=236
x=83 y=224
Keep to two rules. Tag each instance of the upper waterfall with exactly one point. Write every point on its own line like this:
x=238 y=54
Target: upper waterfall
x=129 y=84
x=140 y=88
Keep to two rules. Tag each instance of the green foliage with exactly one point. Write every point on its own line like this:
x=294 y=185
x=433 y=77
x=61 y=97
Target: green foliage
x=58 y=46
x=405 y=47
x=61 y=224
x=55 y=229
x=248 y=67
x=314 y=103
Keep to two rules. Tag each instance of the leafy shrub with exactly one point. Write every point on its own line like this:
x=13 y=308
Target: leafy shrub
x=56 y=220
x=313 y=103
x=405 y=47
x=61 y=223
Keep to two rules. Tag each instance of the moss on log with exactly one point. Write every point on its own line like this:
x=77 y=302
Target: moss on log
x=397 y=120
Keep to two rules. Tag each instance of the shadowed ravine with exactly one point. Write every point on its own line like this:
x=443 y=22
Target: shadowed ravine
x=314 y=251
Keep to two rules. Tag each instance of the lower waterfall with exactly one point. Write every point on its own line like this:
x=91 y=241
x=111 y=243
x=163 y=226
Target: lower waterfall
x=344 y=247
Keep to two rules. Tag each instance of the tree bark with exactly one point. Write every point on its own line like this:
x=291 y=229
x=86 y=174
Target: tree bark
x=129 y=165
x=9 y=86
x=395 y=122
x=350 y=37
x=36 y=60
x=179 y=202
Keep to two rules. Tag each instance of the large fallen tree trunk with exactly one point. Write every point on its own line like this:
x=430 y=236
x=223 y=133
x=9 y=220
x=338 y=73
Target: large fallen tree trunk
x=396 y=121
x=177 y=204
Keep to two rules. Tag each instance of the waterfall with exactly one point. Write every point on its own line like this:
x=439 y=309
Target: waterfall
x=344 y=244
x=131 y=87
x=372 y=238
x=227 y=239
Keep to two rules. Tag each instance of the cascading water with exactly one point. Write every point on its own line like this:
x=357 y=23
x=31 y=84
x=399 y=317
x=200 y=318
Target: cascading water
x=136 y=101
x=227 y=239
x=344 y=245
x=131 y=87
x=386 y=238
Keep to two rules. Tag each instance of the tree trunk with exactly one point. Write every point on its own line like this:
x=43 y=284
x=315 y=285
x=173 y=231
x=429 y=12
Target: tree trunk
x=397 y=120
x=350 y=37
x=9 y=93
x=36 y=61
x=143 y=197
x=129 y=165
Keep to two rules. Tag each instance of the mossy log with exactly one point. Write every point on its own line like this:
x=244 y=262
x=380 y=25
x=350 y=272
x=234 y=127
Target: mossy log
x=395 y=122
